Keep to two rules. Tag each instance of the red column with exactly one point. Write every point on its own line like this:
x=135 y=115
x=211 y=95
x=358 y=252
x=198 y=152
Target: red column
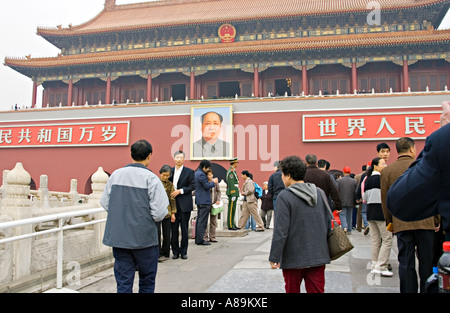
x=149 y=88
x=192 y=88
x=405 y=76
x=256 y=82
x=305 y=79
x=108 y=90
x=70 y=93
x=354 y=77
x=34 y=94
x=44 y=98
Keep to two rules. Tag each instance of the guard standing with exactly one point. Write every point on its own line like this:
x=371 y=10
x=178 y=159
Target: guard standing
x=232 y=193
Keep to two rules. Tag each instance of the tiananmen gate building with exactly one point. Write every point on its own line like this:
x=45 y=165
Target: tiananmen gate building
x=333 y=78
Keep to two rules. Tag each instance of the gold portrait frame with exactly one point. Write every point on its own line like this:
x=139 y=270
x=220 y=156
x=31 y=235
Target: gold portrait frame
x=220 y=148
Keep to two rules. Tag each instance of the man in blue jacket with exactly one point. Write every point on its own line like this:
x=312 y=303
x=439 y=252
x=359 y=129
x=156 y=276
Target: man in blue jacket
x=424 y=189
x=203 y=200
x=135 y=199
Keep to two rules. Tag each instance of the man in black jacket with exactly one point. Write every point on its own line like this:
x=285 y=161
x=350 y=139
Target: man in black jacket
x=275 y=185
x=183 y=180
x=322 y=180
x=424 y=189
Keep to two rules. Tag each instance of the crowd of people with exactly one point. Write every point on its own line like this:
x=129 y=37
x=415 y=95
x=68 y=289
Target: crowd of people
x=147 y=212
x=361 y=203
x=409 y=198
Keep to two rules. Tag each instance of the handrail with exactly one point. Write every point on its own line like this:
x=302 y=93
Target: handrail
x=47 y=218
x=59 y=229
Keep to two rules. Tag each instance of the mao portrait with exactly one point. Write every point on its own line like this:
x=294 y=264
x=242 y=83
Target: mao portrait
x=211 y=132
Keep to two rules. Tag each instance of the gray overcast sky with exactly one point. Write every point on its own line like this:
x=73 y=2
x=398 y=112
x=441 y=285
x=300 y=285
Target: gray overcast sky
x=19 y=20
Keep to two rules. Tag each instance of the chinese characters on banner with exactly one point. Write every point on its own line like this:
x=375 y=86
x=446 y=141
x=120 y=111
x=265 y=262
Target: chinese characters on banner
x=65 y=135
x=380 y=126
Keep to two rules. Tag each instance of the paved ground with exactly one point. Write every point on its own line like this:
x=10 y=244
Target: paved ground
x=240 y=265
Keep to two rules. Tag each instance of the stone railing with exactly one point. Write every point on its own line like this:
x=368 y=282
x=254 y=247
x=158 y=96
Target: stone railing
x=45 y=198
x=29 y=265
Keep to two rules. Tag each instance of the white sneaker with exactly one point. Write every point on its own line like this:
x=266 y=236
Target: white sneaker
x=386 y=273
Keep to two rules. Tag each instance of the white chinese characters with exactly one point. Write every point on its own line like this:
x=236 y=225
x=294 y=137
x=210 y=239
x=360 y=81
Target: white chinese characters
x=59 y=135
x=371 y=126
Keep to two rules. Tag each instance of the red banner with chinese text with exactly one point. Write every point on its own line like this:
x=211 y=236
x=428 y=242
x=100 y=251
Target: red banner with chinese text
x=379 y=126
x=65 y=135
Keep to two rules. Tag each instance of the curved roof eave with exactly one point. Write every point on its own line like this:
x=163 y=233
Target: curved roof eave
x=150 y=14
x=237 y=48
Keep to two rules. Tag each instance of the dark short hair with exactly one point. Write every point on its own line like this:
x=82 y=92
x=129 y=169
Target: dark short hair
x=140 y=150
x=294 y=167
x=322 y=163
x=165 y=168
x=383 y=145
x=204 y=164
x=219 y=115
x=403 y=144
x=311 y=159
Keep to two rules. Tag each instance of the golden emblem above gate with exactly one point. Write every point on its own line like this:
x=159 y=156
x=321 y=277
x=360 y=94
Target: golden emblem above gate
x=227 y=33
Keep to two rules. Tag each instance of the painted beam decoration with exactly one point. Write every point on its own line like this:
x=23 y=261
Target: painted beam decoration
x=368 y=126
x=65 y=135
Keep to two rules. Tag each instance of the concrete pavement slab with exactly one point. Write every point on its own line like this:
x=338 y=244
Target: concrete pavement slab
x=240 y=265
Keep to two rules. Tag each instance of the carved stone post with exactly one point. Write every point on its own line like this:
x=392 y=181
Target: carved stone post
x=43 y=193
x=3 y=187
x=99 y=180
x=73 y=194
x=17 y=205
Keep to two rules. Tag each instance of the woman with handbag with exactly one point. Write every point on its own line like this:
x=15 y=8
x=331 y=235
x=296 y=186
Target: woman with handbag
x=302 y=223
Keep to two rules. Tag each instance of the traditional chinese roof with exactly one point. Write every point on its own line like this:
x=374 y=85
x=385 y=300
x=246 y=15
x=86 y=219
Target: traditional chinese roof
x=171 y=13
x=376 y=40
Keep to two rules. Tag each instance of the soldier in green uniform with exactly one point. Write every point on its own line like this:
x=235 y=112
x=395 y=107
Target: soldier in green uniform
x=232 y=193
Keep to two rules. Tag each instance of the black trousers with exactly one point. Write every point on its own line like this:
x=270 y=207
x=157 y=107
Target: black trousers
x=202 y=222
x=407 y=242
x=164 y=244
x=181 y=222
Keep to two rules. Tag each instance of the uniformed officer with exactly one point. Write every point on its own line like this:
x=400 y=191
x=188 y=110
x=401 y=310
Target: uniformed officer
x=232 y=193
